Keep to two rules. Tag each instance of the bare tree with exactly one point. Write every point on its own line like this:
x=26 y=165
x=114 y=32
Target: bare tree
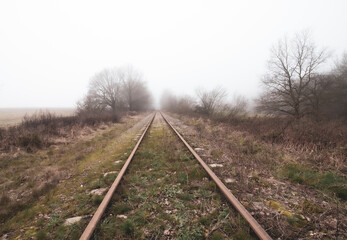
x=168 y=101
x=136 y=94
x=292 y=66
x=210 y=101
x=238 y=106
x=104 y=91
x=116 y=89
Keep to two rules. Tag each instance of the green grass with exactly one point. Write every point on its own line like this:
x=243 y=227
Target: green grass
x=327 y=181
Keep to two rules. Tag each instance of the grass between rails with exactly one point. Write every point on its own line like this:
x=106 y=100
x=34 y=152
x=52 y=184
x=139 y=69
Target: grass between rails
x=43 y=217
x=166 y=195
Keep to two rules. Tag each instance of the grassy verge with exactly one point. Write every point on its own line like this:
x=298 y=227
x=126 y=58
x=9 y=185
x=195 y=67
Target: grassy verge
x=166 y=194
x=326 y=181
x=86 y=162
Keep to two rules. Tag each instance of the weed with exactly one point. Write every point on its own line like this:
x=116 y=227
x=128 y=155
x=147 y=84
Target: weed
x=217 y=236
x=328 y=181
x=97 y=199
x=191 y=232
x=120 y=208
x=296 y=221
x=128 y=227
x=41 y=235
x=217 y=153
x=241 y=235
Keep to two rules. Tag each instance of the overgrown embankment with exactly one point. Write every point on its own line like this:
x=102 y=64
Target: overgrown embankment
x=291 y=177
x=43 y=129
x=35 y=187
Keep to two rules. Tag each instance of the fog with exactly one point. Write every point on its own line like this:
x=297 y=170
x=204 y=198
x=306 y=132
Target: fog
x=49 y=50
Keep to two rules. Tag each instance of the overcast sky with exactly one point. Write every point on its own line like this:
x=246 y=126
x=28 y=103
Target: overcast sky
x=50 y=49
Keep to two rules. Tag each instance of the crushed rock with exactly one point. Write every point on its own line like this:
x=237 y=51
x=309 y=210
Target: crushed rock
x=229 y=180
x=118 y=161
x=214 y=165
x=73 y=220
x=108 y=173
x=198 y=149
x=98 y=191
x=122 y=216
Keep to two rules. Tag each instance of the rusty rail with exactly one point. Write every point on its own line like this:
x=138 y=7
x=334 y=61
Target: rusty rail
x=88 y=231
x=261 y=233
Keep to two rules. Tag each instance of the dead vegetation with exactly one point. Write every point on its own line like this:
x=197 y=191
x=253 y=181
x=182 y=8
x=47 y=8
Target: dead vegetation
x=291 y=175
x=43 y=151
x=43 y=129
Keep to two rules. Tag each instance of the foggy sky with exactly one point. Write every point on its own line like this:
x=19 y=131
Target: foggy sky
x=50 y=49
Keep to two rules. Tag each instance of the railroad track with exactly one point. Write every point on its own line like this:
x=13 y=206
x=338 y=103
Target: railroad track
x=257 y=229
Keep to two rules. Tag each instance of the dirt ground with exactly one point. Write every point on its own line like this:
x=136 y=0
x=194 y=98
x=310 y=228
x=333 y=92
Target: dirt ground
x=252 y=169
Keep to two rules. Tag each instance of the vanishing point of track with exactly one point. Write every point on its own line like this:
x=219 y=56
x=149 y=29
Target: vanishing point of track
x=258 y=230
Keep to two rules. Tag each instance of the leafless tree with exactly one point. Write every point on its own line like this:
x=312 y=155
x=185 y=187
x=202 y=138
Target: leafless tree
x=210 y=101
x=238 y=106
x=185 y=104
x=292 y=66
x=337 y=104
x=136 y=94
x=104 y=91
x=168 y=101
x=116 y=89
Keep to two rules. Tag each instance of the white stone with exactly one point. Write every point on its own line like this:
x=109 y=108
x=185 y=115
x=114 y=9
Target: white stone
x=166 y=202
x=122 y=216
x=118 y=161
x=98 y=191
x=213 y=165
x=108 y=173
x=229 y=180
x=73 y=220
x=198 y=149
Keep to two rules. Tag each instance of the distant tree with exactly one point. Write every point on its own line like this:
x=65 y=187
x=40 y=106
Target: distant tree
x=210 y=101
x=318 y=94
x=292 y=67
x=136 y=95
x=338 y=91
x=116 y=89
x=237 y=107
x=105 y=89
x=185 y=104
x=168 y=101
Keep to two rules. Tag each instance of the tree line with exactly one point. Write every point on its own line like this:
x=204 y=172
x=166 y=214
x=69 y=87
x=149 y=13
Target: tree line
x=294 y=85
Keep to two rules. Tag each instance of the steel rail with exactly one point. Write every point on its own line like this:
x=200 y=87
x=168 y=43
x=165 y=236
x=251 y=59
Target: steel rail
x=261 y=233
x=88 y=231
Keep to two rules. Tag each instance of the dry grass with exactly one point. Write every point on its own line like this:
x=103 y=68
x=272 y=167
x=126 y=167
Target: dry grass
x=42 y=129
x=282 y=162
x=13 y=116
x=32 y=184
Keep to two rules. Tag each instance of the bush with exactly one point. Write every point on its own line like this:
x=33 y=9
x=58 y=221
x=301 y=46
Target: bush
x=30 y=141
